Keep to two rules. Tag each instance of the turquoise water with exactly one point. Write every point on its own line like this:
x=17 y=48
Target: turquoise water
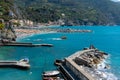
x=42 y=58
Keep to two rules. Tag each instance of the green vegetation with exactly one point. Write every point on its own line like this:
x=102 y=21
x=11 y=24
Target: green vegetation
x=5 y=7
x=77 y=12
x=1 y=26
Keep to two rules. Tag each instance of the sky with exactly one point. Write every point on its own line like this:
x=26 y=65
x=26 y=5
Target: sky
x=116 y=0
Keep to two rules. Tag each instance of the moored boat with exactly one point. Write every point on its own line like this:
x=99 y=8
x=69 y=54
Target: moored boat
x=63 y=37
x=52 y=78
x=51 y=73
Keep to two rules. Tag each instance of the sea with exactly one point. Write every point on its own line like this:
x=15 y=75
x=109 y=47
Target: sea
x=105 y=38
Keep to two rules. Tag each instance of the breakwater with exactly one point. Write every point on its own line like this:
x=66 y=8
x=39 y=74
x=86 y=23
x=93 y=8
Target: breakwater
x=83 y=65
x=76 y=69
x=72 y=30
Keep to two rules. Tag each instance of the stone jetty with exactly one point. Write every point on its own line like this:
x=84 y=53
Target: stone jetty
x=83 y=64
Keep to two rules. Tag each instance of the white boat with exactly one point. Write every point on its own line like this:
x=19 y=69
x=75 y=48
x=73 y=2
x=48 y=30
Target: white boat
x=25 y=60
x=51 y=73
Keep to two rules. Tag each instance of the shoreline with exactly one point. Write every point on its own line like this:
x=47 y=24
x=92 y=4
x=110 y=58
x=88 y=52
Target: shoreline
x=23 y=33
x=26 y=32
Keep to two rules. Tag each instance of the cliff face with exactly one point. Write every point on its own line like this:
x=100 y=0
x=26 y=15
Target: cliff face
x=78 y=12
x=7 y=13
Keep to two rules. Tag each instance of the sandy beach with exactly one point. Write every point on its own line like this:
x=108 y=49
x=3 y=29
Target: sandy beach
x=25 y=32
x=21 y=33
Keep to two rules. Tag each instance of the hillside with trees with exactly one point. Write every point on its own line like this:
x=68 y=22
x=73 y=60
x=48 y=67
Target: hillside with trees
x=5 y=8
x=76 y=12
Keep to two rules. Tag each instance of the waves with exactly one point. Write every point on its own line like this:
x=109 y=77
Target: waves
x=104 y=73
x=56 y=39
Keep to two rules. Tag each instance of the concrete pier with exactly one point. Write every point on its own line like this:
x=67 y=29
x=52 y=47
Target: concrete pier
x=65 y=73
x=24 y=44
x=17 y=64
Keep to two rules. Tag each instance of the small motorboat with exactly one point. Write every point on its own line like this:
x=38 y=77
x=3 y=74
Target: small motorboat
x=51 y=73
x=63 y=37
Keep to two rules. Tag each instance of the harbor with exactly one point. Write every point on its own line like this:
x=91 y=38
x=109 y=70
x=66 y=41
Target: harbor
x=47 y=39
x=42 y=58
